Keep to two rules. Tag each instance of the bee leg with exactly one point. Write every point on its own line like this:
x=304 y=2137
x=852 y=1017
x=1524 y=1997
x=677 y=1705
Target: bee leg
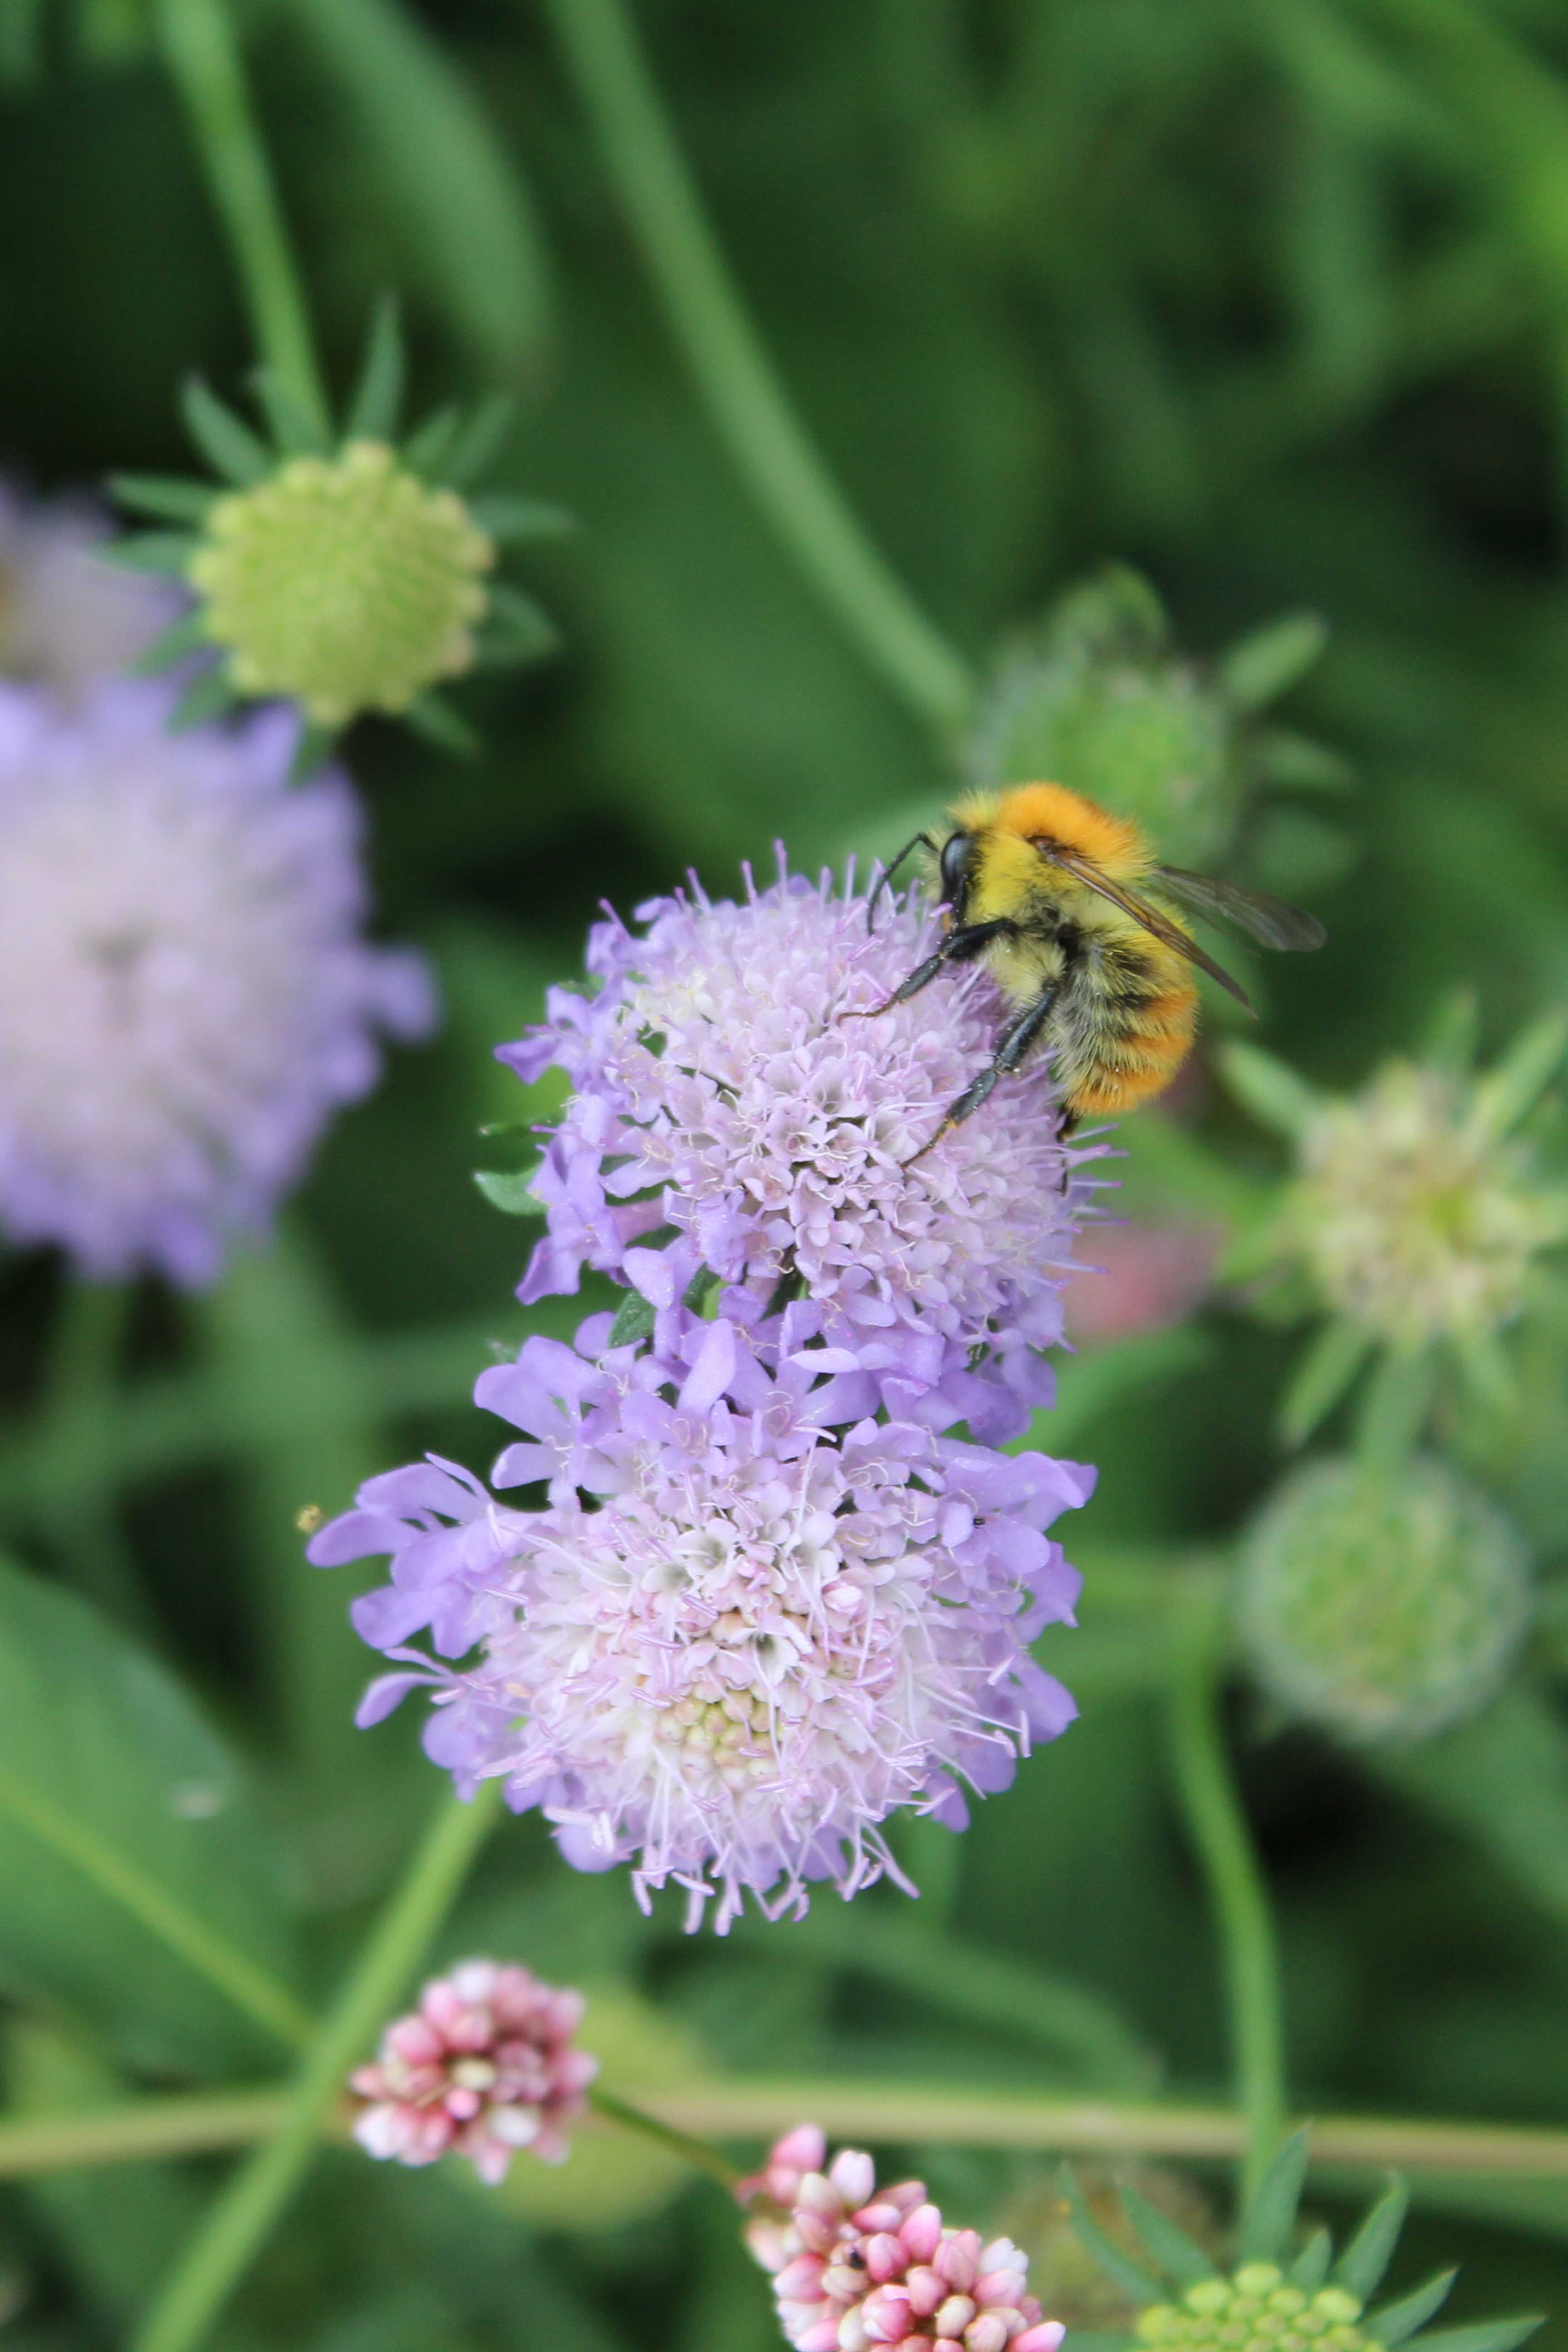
x=961 y=946
x=1012 y=1045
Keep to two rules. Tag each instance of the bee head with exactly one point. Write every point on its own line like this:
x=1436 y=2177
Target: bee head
x=954 y=867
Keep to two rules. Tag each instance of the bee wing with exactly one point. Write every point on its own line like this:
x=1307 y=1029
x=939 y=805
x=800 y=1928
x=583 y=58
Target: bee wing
x=1147 y=916
x=1253 y=913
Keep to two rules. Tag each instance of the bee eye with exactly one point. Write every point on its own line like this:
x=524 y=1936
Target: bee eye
x=955 y=865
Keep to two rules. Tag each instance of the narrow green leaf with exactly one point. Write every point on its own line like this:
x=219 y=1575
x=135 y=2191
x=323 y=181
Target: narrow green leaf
x=297 y=430
x=1368 y=2255
x=428 y=446
x=1452 y=1035
x=633 y=1321
x=1275 y=1094
x=167 y=497
x=513 y=1194
x=164 y=552
x=480 y=440
x=1296 y=763
x=1394 y=1408
x=1170 y=2245
x=1129 y=2277
x=140 y=1888
x=1486 y=2335
x=1325 y=1372
x=1270 y=2217
x=1267 y=664
x=1310 y=2267
x=433 y=717
x=1512 y=1089
x=509 y=519
x=377 y=401
x=514 y=629
x=173 y=646
x=224 y=439
x=208 y=696
x=1395 y=2321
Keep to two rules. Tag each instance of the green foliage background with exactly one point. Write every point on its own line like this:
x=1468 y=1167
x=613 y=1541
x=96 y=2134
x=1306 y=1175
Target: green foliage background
x=1271 y=300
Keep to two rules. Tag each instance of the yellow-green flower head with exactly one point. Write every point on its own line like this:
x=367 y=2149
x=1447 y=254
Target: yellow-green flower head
x=1384 y=1607
x=1415 y=1221
x=345 y=582
x=1256 y=2311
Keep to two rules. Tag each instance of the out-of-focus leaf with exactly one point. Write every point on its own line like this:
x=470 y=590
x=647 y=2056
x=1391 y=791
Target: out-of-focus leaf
x=467 y=219
x=511 y=1192
x=1270 y=2215
x=1392 y=2321
x=1102 y=1378
x=1370 y=2252
x=1501 y=1781
x=1334 y=1357
x=1167 y=2241
x=1272 y=659
x=141 y=1888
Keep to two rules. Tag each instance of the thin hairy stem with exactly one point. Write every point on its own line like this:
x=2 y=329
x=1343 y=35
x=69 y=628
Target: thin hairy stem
x=203 y=55
x=240 y=2217
x=1241 y=1912
x=751 y=411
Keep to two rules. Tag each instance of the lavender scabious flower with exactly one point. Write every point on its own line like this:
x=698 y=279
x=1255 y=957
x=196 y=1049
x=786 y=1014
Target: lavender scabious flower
x=184 y=991
x=761 y=1633
x=483 y=2066
x=720 y=1088
x=68 y=617
x=854 y=2265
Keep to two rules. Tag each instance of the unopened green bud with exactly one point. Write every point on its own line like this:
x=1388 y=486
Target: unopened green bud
x=344 y=582
x=1383 y=1607
x=1254 y=2311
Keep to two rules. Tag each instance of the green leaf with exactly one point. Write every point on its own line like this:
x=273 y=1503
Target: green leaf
x=1368 y=2255
x=1296 y=763
x=21 y=42
x=174 y=645
x=377 y=400
x=453 y=189
x=1267 y=664
x=164 y=552
x=1275 y=1094
x=509 y=519
x=1100 y=1378
x=1133 y=2281
x=1172 y=2248
x=514 y=629
x=1486 y=2335
x=482 y=439
x=1326 y=1370
x=208 y=696
x=633 y=1321
x=1507 y=1093
x=1310 y=2267
x=141 y=1888
x=1395 y=2321
x=1451 y=1036
x=296 y=428
x=312 y=753
x=513 y=1194
x=1501 y=1781
x=1394 y=1406
x=1270 y=2217
x=224 y=439
x=427 y=446
x=167 y=497
x=433 y=716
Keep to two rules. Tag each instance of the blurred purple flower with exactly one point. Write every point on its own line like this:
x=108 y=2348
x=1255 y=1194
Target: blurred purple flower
x=759 y=1634
x=185 y=993
x=719 y=1089
x=68 y=617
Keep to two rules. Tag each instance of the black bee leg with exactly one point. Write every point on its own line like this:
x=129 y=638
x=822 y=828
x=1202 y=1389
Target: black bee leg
x=1012 y=1046
x=961 y=946
x=885 y=879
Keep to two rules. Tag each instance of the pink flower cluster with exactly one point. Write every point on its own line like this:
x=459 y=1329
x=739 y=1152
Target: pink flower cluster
x=855 y=2266
x=484 y=2066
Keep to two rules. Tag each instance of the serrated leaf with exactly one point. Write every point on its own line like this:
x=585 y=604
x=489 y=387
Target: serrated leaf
x=1129 y=2277
x=224 y=439
x=168 y=553
x=297 y=429
x=207 y=696
x=513 y=1193
x=1273 y=1092
x=1310 y=2267
x=1368 y=2255
x=1167 y=2241
x=377 y=400
x=433 y=717
x=1270 y=661
x=172 y=646
x=168 y=497
x=509 y=519
x=1395 y=2321
x=1325 y=1372
x=1486 y=2335
x=141 y=1889
x=1270 y=2215
x=633 y=1321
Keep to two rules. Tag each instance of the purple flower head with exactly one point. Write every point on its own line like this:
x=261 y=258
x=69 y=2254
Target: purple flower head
x=186 y=995
x=719 y=1089
x=68 y=617
x=735 y=1638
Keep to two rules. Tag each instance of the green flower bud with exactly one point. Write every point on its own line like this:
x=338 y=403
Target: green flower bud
x=345 y=582
x=1255 y=2311
x=1381 y=1608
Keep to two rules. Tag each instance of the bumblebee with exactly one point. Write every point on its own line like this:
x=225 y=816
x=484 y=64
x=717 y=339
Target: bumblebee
x=1050 y=893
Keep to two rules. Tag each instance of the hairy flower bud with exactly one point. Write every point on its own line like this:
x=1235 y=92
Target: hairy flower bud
x=1381 y=1608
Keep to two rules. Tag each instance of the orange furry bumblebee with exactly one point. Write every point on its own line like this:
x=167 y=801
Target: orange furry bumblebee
x=1049 y=892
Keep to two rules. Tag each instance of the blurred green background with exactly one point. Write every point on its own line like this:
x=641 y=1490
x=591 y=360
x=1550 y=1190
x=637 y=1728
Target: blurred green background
x=1267 y=299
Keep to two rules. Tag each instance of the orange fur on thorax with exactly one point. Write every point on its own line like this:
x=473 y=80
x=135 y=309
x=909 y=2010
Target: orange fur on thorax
x=1051 y=813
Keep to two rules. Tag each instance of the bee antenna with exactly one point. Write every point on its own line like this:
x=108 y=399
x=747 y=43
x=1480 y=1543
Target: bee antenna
x=884 y=880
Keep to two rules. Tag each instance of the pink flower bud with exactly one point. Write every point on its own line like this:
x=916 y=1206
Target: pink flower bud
x=1046 y=2338
x=957 y=2259
x=926 y=2291
x=888 y=2314
x=885 y=2257
x=922 y=2233
x=801 y=2279
x=854 y=2176
x=987 y=2333
x=955 y=2315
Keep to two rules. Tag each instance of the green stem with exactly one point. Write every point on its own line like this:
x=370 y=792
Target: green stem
x=696 y=2151
x=734 y=377
x=1240 y=1902
x=240 y=2218
x=203 y=55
